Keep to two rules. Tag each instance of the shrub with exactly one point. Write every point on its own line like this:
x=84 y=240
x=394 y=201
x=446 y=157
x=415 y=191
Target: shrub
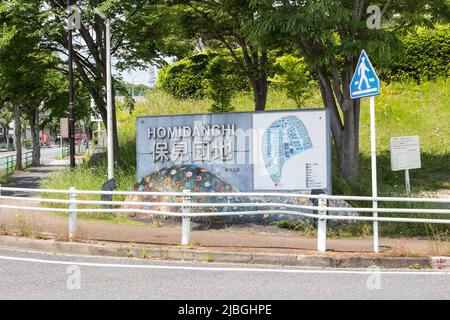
x=293 y=76
x=183 y=79
x=425 y=56
x=221 y=84
x=186 y=78
x=28 y=144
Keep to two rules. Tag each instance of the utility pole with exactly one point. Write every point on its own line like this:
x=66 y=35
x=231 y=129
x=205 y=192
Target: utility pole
x=109 y=102
x=109 y=113
x=71 y=89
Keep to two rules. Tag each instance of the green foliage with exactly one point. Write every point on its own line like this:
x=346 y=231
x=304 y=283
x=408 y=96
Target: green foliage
x=330 y=35
x=186 y=78
x=220 y=84
x=142 y=31
x=28 y=144
x=30 y=75
x=225 y=26
x=183 y=79
x=294 y=78
x=425 y=56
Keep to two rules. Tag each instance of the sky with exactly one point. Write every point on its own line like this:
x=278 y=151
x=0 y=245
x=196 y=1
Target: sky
x=139 y=76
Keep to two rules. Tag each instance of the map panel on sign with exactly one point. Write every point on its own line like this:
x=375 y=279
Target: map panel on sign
x=290 y=151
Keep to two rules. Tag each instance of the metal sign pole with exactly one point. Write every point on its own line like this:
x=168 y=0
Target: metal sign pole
x=373 y=142
x=365 y=83
x=109 y=102
x=407 y=182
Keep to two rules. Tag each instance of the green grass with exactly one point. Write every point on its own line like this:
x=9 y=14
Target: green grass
x=402 y=109
x=409 y=109
x=85 y=177
x=4 y=179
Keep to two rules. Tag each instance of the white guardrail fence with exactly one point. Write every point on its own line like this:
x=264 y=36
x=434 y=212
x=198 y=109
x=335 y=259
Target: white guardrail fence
x=183 y=201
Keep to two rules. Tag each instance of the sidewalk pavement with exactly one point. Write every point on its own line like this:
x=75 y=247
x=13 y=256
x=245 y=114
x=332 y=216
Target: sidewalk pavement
x=29 y=178
x=266 y=239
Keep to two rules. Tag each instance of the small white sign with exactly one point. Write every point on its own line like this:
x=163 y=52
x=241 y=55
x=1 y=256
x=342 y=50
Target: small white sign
x=64 y=127
x=96 y=118
x=405 y=153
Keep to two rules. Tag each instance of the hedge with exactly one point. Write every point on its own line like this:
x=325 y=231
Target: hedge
x=425 y=56
x=186 y=78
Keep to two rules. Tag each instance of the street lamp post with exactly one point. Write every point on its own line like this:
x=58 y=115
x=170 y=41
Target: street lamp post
x=71 y=93
x=109 y=115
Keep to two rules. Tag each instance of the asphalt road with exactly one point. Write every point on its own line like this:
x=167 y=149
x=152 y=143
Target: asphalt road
x=46 y=153
x=28 y=275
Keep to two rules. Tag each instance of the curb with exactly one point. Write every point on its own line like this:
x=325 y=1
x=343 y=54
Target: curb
x=204 y=255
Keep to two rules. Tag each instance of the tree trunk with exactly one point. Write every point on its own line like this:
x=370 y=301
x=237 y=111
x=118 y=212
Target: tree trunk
x=260 y=89
x=346 y=130
x=348 y=149
x=18 y=138
x=7 y=138
x=255 y=65
x=35 y=137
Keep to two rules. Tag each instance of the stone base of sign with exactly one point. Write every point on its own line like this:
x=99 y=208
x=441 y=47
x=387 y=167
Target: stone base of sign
x=196 y=179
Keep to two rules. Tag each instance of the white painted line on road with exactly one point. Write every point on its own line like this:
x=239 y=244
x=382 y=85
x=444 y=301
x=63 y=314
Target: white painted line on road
x=186 y=268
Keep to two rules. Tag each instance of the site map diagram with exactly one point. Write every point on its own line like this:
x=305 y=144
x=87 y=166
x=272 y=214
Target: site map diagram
x=282 y=140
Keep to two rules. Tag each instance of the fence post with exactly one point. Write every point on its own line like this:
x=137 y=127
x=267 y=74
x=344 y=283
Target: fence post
x=7 y=165
x=322 y=226
x=72 y=215
x=186 y=221
x=27 y=158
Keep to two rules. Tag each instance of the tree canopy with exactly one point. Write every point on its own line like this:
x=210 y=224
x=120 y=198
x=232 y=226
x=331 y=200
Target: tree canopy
x=330 y=34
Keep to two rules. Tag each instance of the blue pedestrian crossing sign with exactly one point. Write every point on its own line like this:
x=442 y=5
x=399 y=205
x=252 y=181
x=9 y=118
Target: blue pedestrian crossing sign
x=365 y=82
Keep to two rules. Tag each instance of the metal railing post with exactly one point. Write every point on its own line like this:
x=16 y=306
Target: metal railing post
x=186 y=221
x=27 y=159
x=12 y=164
x=72 y=215
x=7 y=165
x=322 y=226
